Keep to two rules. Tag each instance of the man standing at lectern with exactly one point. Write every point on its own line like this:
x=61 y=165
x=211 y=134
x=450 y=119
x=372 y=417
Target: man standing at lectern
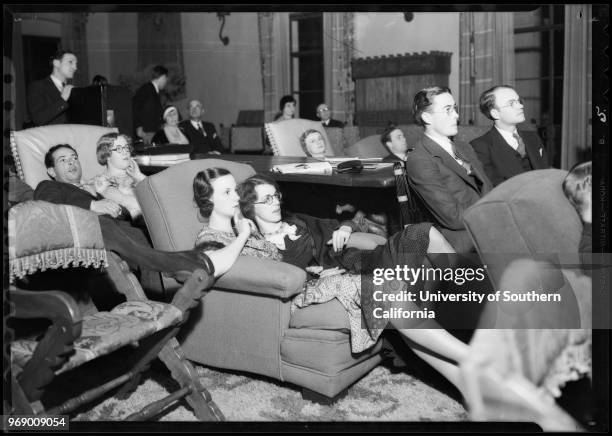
x=48 y=98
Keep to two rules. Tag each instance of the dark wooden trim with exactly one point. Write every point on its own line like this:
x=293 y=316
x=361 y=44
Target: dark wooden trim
x=434 y=62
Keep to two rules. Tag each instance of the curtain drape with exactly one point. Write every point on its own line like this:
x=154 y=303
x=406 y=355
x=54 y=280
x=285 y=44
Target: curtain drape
x=74 y=38
x=486 y=59
x=338 y=30
x=273 y=28
x=576 y=129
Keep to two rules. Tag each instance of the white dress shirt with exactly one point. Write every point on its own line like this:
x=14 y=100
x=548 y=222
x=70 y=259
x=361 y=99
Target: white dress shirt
x=58 y=83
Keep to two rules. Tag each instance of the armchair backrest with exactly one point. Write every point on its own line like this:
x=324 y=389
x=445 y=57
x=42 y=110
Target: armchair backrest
x=166 y=199
x=369 y=146
x=30 y=146
x=526 y=215
x=284 y=136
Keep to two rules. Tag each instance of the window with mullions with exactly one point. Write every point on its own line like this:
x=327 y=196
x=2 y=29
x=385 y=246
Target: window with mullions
x=538 y=48
x=306 y=38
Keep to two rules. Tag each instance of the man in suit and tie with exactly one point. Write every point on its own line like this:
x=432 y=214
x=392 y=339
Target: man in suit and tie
x=201 y=134
x=504 y=150
x=324 y=114
x=447 y=176
x=146 y=105
x=48 y=99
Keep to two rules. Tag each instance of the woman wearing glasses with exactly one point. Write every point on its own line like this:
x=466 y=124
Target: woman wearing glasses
x=121 y=174
x=324 y=248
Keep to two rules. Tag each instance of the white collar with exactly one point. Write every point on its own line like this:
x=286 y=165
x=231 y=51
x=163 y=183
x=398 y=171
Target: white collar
x=509 y=137
x=197 y=124
x=58 y=83
x=443 y=142
x=155 y=86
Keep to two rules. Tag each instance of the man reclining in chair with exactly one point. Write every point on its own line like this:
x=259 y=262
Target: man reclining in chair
x=131 y=243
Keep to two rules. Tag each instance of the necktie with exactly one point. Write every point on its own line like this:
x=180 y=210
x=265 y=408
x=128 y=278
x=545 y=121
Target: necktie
x=521 y=144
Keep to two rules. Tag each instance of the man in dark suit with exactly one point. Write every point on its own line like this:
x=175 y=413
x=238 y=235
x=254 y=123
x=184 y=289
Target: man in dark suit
x=146 y=105
x=447 y=176
x=504 y=150
x=394 y=140
x=324 y=114
x=48 y=99
x=201 y=134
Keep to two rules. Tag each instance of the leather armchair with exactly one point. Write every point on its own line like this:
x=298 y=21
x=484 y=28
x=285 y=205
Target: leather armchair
x=245 y=323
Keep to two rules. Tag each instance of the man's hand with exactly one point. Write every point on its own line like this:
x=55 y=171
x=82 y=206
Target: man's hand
x=105 y=207
x=140 y=132
x=134 y=172
x=66 y=92
x=339 y=237
x=101 y=183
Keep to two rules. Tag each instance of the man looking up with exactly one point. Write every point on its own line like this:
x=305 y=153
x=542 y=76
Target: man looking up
x=447 y=176
x=324 y=114
x=394 y=140
x=146 y=105
x=504 y=151
x=48 y=98
x=201 y=134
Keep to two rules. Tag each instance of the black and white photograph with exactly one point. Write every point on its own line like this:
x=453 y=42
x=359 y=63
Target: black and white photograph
x=248 y=218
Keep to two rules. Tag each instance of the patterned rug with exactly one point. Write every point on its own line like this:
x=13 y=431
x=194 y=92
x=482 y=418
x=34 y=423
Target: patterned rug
x=385 y=394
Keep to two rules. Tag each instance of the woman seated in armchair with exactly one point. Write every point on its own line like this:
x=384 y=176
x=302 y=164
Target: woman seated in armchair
x=306 y=241
x=170 y=133
x=121 y=175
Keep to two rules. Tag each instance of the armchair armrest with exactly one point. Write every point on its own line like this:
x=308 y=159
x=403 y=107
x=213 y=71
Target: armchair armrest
x=265 y=277
x=45 y=304
x=53 y=350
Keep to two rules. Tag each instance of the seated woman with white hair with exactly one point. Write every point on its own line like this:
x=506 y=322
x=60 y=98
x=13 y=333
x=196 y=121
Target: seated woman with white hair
x=170 y=133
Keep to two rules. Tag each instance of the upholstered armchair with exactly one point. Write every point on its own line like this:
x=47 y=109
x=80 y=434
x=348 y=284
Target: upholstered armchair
x=50 y=363
x=527 y=234
x=245 y=323
x=284 y=136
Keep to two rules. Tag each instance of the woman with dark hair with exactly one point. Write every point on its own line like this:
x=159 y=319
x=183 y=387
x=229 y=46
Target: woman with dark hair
x=170 y=133
x=122 y=172
x=303 y=241
x=287 y=108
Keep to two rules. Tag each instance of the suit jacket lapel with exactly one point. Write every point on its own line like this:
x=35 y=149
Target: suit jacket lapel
x=532 y=151
x=436 y=150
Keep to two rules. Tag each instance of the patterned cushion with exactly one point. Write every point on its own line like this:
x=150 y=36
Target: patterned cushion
x=44 y=235
x=105 y=332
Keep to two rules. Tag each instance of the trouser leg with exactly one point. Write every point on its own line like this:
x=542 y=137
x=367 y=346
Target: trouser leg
x=132 y=245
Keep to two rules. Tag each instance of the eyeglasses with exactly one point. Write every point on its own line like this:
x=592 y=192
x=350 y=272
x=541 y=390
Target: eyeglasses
x=121 y=148
x=512 y=103
x=448 y=110
x=323 y=109
x=269 y=199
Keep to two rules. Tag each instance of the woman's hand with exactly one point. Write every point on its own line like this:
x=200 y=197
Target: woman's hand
x=133 y=170
x=340 y=237
x=101 y=183
x=244 y=226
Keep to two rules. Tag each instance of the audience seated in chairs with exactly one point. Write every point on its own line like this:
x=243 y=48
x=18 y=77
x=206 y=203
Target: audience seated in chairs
x=170 y=133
